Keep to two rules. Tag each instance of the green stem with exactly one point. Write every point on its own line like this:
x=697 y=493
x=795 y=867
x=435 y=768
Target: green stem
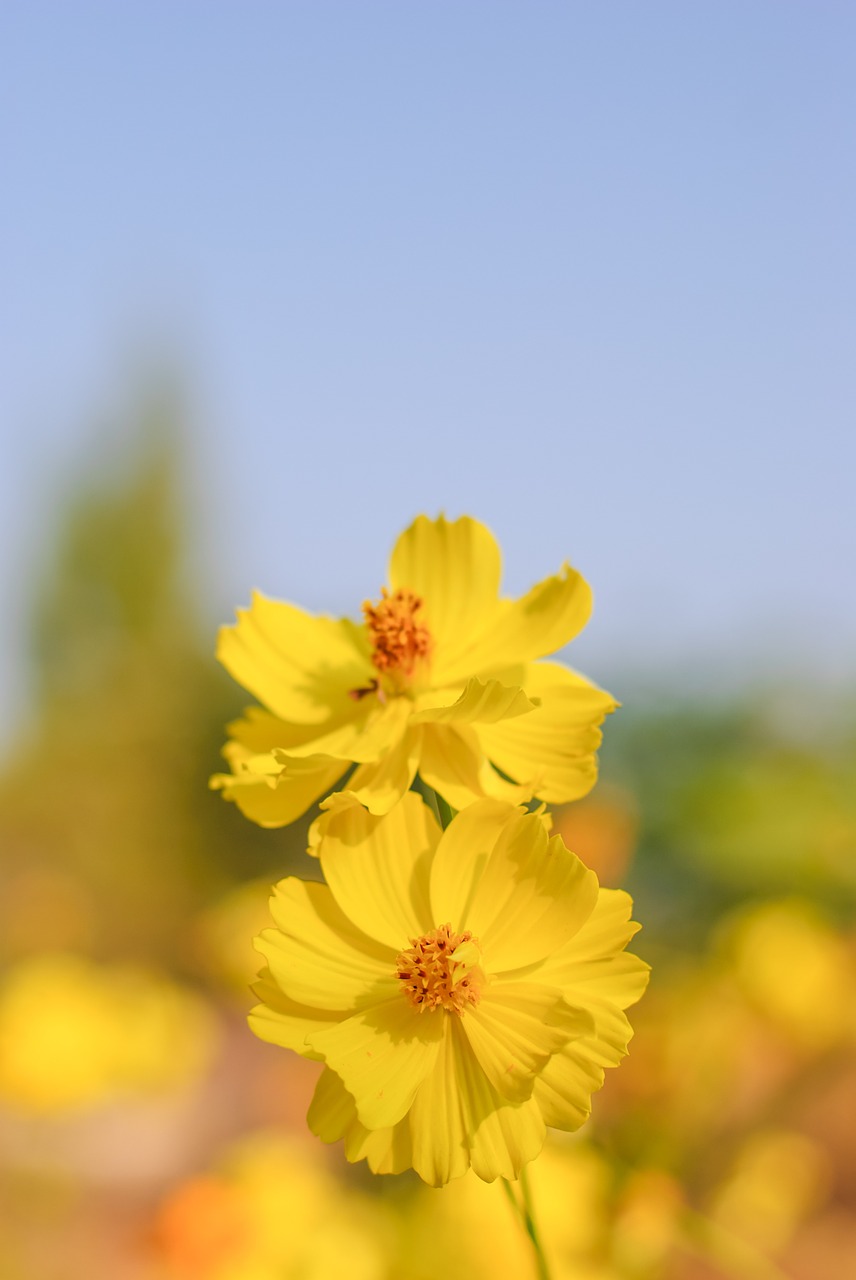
x=445 y=810
x=442 y=811
x=525 y=1216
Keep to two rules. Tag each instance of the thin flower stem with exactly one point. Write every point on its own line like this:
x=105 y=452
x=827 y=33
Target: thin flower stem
x=523 y=1214
x=511 y=1198
x=446 y=811
x=431 y=799
x=532 y=1231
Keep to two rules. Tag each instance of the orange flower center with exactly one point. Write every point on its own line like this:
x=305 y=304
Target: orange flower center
x=440 y=970
x=398 y=632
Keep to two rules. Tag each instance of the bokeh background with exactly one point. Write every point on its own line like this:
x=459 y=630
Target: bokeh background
x=277 y=277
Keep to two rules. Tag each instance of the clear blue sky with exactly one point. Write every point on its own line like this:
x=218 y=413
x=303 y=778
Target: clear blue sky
x=584 y=270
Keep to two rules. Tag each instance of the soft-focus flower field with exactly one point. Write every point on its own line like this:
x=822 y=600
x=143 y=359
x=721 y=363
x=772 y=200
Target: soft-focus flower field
x=145 y=1134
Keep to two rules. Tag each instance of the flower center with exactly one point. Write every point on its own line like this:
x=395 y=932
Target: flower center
x=398 y=632
x=441 y=970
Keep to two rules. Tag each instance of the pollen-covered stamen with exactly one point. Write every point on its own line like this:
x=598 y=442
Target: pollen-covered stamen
x=441 y=970
x=398 y=633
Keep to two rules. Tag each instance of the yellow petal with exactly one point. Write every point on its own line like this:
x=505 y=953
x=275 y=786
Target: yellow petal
x=521 y=894
x=593 y=964
x=316 y=955
x=372 y=731
x=377 y=867
x=462 y=855
x=333 y=1115
x=440 y=1141
x=382 y=1054
x=260 y=731
x=514 y=1031
x=275 y=790
x=482 y=702
x=300 y=666
x=539 y=623
x=331 y=1111
x=452 y=762
x=380 y=785
x=281 y=1021
x=551 y=750
x=607 y=1044
x=502 y=1136
x=563 y=1089
x=455 y=567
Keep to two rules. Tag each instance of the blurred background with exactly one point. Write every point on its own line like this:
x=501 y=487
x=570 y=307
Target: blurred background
x=275 y=279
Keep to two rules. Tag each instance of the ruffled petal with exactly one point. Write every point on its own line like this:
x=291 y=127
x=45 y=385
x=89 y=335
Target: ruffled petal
x=455 y=567
x=551 y=750
x=282 y=1021
x=333 y=1115
x=382 y=1054
x=316 y=955
x=300 y=666
x=593 y=964
x=521 y=894
x=380 y=785
x=482 y=702
x=462 y=854
x=514 y=1031
x=260 y=732
x=452 y=762
x=502 y=1136
x=564 y=1088
x=439 y=1140
x=372 y=731
x=377 y=867
x=274 y=790
x=519 y=631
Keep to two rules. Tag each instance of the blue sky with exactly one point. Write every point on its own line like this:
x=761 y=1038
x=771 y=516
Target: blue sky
x=584 y=270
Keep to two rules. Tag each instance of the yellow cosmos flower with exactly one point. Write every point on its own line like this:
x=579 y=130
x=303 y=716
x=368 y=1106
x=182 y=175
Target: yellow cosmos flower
x=440 y=677
x=464 y=989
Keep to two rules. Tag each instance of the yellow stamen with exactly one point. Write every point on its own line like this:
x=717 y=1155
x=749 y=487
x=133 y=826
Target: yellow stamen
x=398 y=632
x=440 y=970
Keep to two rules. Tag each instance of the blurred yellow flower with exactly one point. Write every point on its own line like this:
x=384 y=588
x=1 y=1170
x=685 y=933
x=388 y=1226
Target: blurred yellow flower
x=793 y=965
x=271 y=1211
x=75 y=1034
x=464 y=989
x=440 y=678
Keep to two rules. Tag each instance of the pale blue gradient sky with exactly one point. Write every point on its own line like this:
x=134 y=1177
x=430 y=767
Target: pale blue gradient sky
x=585 y=270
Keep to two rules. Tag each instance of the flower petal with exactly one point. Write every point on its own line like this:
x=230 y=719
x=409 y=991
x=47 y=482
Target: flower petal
x=300 y=666
x=544 y=620
x=563 y=1089
x=333 y=1115
x=440 y=1142
x=452 y=762
x=371 y=732
x=317 y=956
x=462 y=855
x=502 y=1136
x=514 y=1031
x=593 y=964
x=380 y=785
x=455 y=567
x=377 y=868
x=281 y=1021
x=551 y=750
x=522 y=895
x=482 y=702
x=382 y=1054
x=275 y=790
